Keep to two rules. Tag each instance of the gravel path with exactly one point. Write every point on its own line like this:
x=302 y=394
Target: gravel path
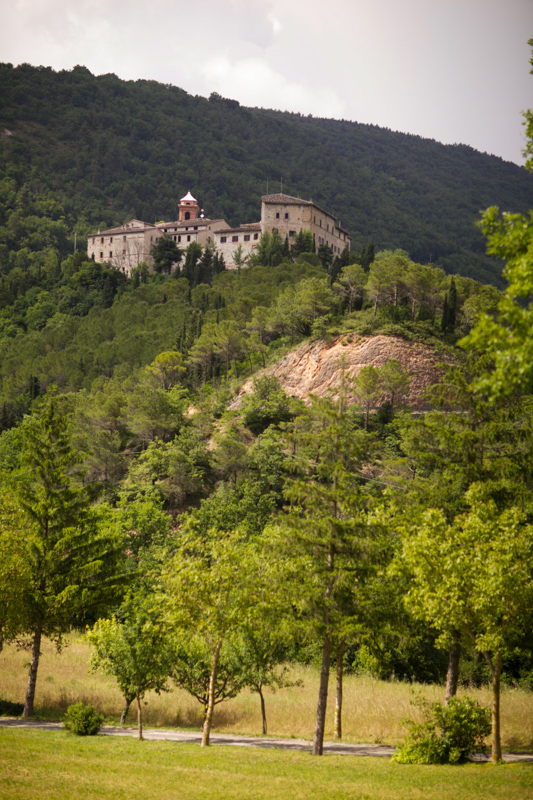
x=161 y=734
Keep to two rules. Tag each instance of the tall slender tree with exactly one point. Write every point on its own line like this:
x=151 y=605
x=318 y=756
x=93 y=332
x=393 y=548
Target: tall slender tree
x=74 y=567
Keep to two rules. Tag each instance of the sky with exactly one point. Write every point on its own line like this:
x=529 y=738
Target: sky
x=452 y=70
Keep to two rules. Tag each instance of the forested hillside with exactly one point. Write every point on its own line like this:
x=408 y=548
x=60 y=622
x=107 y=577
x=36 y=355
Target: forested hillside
x=80 y=151
x=212 y=542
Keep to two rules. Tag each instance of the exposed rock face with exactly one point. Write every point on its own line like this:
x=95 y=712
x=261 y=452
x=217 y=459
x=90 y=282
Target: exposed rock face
x=314 y=367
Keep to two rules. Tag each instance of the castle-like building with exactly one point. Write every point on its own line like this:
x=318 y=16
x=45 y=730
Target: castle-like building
x=126 y=246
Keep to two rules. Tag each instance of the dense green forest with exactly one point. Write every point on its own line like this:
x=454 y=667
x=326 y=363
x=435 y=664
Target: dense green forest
x=210 y=543
x=80 y=152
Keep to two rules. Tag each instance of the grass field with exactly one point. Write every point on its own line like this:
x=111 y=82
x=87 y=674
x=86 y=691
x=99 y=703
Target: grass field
x=373 y=709
x=45 y=765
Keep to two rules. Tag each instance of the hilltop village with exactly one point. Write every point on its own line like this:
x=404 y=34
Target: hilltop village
x=127 y=245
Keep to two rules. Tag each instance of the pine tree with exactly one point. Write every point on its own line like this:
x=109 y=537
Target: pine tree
x=72 y=564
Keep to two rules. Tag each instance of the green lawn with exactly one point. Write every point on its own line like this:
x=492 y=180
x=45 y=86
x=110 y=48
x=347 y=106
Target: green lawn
x=38 y=765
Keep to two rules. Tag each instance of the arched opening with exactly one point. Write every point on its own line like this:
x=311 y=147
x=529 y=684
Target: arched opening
x=187 y=215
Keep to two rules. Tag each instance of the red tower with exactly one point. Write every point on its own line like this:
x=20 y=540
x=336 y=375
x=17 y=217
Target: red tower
x=188 y=208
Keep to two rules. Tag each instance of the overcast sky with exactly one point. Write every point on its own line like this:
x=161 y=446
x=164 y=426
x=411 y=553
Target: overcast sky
x=451 y=70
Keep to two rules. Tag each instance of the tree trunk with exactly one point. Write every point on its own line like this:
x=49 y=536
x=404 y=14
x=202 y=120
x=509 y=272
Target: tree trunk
x=139 y=717
x=128 y=699
x=318 y=741
x=452 y=676
x=206 y=730
x=263 y=712
x=34 y=665
x=496 y=671
x=375 y=306
x=337 y=728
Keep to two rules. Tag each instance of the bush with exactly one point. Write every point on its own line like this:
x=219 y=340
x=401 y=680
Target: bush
x=449 y=734
x=83 y=720
x=9 y=709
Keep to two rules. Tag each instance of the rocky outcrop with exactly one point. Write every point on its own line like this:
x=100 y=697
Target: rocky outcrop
x=315 y=367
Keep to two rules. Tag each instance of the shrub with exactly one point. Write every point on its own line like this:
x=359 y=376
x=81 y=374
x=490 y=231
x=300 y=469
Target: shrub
x=449 y=734
x=83 y=720
x=9 y=709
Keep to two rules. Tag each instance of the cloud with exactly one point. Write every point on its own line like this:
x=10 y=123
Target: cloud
x=255 y=82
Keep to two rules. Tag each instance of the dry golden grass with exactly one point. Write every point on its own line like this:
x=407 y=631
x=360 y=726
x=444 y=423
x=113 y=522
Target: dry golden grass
x=373 y=709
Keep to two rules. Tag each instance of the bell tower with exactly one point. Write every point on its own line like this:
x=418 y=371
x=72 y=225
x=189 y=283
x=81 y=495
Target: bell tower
x=188 y=208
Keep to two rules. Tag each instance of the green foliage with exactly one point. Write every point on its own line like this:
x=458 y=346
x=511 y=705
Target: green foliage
x=449 y=734
x=83 y=720
x=267 y=405
x=166 y=254
x=10 y=709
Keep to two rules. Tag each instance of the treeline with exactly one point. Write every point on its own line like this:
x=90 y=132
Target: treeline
x=80 y=152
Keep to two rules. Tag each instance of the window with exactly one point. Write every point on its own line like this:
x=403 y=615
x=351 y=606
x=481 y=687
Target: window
x=123 y=252
x=102 y=240
x=189 y=238
x=94 y=240
x=277 y=214
x=110 y=254
x=320 y=222
x=256 y=237
x=222 y=240
x=196 y=227
x=314 y=220
x=166 y=229
x=123 y=238
x=187 y=215
x=234 y=238
x=292 y=233
x=246 y=237
x=179 y=238
x=110 y=239
x=275 y=230
x=287 y=216
x=174 y=236
x=101 y=255
x=327 y=226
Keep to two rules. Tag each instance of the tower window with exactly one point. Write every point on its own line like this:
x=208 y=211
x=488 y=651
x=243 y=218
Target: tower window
x=187 y=215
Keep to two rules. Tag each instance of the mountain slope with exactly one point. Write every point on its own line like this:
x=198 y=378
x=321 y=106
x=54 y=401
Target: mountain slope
x=93 y=151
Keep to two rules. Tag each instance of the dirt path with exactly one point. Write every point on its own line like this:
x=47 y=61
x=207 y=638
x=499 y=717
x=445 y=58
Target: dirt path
x=161 y=734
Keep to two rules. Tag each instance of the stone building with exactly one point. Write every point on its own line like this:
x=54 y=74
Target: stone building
x=288 y=216
x=126 y=246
